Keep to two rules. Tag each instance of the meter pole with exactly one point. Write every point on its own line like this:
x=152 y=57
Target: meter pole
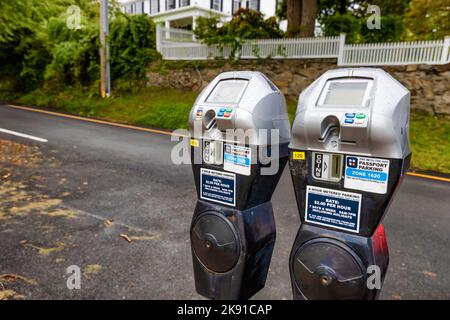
x=105 y=81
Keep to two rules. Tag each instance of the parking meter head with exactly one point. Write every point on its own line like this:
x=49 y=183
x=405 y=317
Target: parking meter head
x=363 y=110
x=352 y=130
x=244 y=100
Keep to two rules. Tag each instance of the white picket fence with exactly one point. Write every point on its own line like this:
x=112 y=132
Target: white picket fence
x=399 y=53
x=176 y=44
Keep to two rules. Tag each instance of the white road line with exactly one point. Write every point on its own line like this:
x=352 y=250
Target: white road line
x=23 y=135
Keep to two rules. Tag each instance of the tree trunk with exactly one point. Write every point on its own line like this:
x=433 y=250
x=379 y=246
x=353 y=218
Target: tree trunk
x=343 y=6
x=294 y=17
x=308 y=18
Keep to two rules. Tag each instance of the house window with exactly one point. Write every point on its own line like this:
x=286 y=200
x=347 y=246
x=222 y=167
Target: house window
x=216 y=5
x=184 y=3
x=137 y=8
x=170 y=4
x=236 y=5
x=253 y=4
x=154 y=6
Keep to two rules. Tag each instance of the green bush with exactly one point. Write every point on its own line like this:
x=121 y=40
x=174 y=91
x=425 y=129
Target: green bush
x=356 y=29
x=45 y=52
x=133 y=46
x=74 y=53
x=342 y=23
x=428 y=20
x=245 y=24
x=391 y=30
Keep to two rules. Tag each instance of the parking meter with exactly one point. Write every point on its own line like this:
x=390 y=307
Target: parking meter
x=238 y=122
x=348 y=154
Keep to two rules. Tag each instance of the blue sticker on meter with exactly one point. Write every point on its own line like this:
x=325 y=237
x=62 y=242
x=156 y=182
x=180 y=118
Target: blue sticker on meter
x=218 y=186
x=333 y=208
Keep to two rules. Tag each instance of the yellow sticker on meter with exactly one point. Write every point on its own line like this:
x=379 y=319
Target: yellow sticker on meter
x=298 y=155
x=194 y=143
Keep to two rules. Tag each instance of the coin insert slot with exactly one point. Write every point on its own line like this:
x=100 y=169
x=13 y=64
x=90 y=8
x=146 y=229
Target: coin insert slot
x=327 y=166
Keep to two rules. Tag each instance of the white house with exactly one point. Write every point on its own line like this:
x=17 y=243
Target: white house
x=183 y=13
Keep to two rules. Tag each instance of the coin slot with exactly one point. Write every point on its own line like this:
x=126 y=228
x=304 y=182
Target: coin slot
x=327 y=166
x=336 y=168
x=209 y=119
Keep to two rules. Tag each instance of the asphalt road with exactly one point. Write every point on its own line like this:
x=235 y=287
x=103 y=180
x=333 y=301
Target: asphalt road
x=121 y=181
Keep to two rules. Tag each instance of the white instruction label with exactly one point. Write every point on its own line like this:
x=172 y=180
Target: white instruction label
x=366 y=174
x=333 y=208
x=218 y=186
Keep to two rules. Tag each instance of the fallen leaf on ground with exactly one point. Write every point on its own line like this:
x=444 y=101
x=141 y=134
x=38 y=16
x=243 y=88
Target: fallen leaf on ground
x=145 y=238
x=429 y=274
x=7 y=294
x=124 y=236
x=6 y=176
x=39 y=205
x=47 y=251
x=140 y=238
x=3 y=216
x=92 y=269
x=108 y=223
x=19 y=154
x=12 y=277
x=62 y=213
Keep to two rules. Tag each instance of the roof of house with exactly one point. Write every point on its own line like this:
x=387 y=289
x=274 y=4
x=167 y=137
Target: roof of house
x=188 y=9
x=191 y=10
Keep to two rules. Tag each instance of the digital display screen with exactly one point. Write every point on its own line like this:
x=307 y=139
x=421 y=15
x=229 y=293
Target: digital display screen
x=227 y=91
x=346 y=93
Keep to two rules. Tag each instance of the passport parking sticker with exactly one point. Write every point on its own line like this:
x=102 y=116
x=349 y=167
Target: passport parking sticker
x=366 y=174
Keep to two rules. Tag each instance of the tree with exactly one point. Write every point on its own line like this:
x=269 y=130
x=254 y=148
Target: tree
x=18 y=15
x=301 y=16
x=308 y=19
x=246 y=24
x=294 y=17
x=335 y=24
x=350 y=17
x=331 y=7
x=428 y=19
x=38 y=47
x=23 y=46
x=281 y=11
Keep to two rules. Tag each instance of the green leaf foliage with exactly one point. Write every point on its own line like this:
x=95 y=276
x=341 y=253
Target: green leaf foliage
x=342 y=23
x=133 y=46
x=428 y=19
x=37 y=46
x=245 y=24
x=391 y=30
x=356 y=30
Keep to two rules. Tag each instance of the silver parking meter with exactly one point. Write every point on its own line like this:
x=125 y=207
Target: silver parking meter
x=348 y=155
x=239 y=146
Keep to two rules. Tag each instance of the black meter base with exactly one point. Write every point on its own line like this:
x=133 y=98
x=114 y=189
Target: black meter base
x=231 y=249
x=326 y=264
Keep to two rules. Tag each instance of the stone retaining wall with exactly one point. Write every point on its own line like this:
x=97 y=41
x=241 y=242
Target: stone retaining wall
x=429 y=85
